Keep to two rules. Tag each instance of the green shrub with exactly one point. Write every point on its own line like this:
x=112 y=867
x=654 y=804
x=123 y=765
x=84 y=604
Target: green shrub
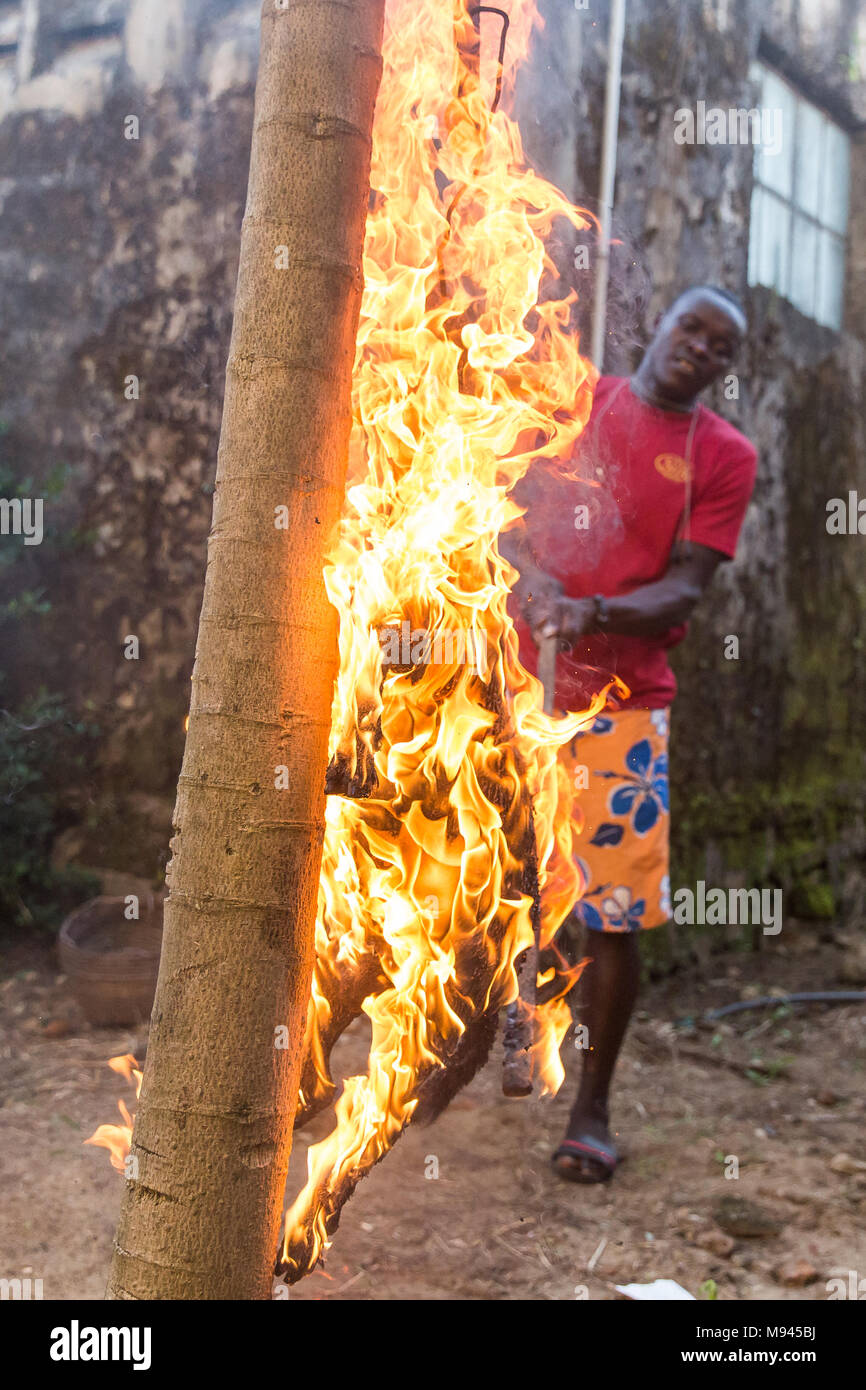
x=44 y=755
x=45 y=749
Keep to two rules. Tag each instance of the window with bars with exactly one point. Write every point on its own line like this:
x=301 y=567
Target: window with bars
x=799 y=213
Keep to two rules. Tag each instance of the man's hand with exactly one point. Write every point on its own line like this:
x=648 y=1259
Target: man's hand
x=535 y=591
x=565 y=618
x=541 y=598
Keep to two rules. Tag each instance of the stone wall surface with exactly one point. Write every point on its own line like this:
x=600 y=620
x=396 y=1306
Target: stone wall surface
x=118 y=260
x=767 y=751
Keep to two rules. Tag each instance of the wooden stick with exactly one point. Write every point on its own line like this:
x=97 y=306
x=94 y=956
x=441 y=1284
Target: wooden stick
x=547 y=670
x=520 y=1016
x=519 y=1030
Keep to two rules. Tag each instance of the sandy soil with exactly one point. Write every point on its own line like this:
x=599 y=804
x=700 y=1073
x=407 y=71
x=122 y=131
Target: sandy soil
x=783 y=1094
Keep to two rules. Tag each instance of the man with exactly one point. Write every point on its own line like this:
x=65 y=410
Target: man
x=613 y=556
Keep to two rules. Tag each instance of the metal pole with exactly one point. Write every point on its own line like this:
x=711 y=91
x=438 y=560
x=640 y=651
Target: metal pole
x=520 y=1016
x=608 y=177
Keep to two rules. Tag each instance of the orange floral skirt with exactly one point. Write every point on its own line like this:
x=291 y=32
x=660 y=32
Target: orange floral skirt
x=619 y=768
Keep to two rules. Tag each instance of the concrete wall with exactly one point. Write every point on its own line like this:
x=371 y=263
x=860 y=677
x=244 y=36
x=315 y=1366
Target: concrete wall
x=768 y=751
x=119 y=260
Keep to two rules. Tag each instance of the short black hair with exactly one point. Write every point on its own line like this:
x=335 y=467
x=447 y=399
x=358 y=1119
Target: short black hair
x=717 y=290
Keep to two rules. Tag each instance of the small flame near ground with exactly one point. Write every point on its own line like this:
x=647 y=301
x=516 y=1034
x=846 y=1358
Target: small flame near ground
x=118 y=1138
x=451 y=827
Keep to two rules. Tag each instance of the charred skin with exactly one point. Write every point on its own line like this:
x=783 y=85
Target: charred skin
x=472 y=1053
x=435 y=1086
x=481 y=995
x=345 y=997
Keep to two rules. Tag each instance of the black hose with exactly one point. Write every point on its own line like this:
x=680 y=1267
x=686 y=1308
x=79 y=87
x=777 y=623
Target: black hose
x=841 y=996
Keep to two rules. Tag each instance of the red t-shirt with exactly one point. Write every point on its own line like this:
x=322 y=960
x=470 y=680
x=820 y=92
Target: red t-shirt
x=613 y=530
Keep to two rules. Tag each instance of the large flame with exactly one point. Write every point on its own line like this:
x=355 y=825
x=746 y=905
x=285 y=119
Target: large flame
x=449 y=829
x=454 y=813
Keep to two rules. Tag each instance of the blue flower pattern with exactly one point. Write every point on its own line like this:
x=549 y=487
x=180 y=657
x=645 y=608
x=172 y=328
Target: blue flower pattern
x=622 y=914
x=641 y=797
x=615 y=910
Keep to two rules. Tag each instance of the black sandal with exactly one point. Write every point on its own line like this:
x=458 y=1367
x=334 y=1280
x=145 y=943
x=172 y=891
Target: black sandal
x=604 y=1157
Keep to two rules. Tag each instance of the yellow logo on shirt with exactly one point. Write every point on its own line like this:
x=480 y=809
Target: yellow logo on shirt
x=672 y=467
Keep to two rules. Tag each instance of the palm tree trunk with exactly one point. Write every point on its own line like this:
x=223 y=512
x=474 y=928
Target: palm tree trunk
x=213 y=1130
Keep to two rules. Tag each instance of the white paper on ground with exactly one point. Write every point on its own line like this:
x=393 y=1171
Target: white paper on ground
x=666 y=1289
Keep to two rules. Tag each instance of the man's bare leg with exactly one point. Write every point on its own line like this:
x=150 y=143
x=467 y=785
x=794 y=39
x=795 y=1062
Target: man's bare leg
x=609 y=987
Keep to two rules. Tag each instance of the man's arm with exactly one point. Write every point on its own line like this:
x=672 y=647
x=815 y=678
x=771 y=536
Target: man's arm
x=645 y=612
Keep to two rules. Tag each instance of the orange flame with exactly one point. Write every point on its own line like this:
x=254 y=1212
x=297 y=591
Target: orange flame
x=467 y=368
x=118 y=1138
x=450 y=828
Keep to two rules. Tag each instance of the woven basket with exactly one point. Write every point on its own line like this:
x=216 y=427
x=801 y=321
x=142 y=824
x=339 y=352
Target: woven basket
x=112 y=963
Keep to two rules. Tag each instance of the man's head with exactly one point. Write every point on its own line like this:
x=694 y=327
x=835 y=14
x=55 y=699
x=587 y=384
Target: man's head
x=695 y=341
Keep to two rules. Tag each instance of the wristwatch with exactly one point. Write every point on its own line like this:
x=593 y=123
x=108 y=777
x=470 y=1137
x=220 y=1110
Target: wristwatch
x=601 y=611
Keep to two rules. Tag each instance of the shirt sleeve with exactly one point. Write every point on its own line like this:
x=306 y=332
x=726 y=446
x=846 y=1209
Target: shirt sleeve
x=718 y=511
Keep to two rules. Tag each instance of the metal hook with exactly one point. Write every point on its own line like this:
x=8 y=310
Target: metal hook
x=493 y=9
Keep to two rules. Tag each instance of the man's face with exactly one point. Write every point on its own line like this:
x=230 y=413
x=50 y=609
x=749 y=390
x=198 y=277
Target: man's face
x=695 y=342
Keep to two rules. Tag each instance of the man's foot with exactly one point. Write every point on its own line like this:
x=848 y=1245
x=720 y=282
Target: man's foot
x=587 y=1153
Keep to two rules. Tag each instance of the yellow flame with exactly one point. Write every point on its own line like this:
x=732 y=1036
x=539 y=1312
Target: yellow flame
x=118 y=1138
x=451 y=825
x=467 y=368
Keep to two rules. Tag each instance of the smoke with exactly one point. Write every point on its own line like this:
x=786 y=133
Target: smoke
x=558 y=102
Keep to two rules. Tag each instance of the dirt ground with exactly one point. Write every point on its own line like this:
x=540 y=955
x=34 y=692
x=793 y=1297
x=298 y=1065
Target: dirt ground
x=781 y=1091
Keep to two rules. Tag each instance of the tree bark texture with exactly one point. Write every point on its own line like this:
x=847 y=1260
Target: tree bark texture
x=212 y=1133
